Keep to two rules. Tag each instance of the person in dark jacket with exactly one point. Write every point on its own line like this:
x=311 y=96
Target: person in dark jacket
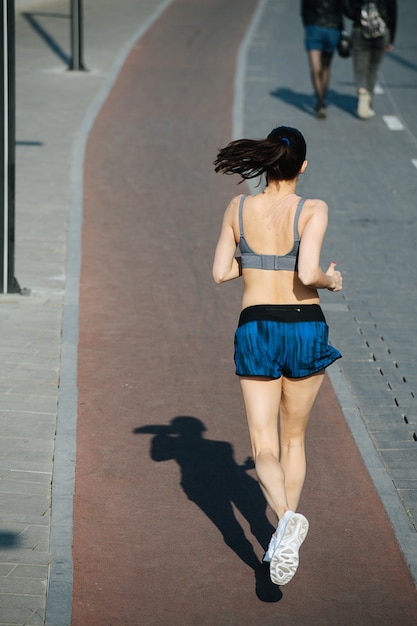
x=323 y=23
x=367 y=53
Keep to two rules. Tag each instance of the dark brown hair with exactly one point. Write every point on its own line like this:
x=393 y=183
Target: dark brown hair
x=279 y=156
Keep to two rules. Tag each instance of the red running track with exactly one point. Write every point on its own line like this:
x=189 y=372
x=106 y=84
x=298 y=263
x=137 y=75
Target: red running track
x=168 y=519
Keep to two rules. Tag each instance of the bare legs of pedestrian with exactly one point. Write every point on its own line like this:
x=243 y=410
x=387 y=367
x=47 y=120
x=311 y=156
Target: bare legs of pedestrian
x=320 y=76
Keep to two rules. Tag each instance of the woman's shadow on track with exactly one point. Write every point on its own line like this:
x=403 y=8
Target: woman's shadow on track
x=211 y=478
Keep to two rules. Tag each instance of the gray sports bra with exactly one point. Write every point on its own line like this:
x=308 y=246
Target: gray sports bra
x=252 y=260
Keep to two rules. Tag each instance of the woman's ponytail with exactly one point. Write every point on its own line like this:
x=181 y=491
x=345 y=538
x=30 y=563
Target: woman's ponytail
x=279 y=156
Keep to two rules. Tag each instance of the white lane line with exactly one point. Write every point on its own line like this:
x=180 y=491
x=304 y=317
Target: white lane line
x=241 y=70
x=378 y=90
x=393 y=122
x=414 y=162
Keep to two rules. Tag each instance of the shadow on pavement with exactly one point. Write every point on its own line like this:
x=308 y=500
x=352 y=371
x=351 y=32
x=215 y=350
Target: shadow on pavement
x=32 y=19
x=9 y=539
x=403 y=62
x=305 y=102
x=211 y=478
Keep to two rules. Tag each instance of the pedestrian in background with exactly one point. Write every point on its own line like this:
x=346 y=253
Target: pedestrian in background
x=374 y=26
x=281 y=343
x=323 y=23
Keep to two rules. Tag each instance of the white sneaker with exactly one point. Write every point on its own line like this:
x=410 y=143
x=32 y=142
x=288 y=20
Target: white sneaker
x=277 y=536
x=364 y=105
x=284 y=561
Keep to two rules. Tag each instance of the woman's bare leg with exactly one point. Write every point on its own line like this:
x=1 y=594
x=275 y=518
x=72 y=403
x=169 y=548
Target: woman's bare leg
x=280 y=457
x=326 y=59
x=320 y=74
x=298 y=396
x=262 y=403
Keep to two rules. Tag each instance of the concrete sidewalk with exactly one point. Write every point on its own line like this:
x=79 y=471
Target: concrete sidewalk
x=55 y=112
x=55 y=109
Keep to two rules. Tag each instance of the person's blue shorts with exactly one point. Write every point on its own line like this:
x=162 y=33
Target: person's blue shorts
x=321 y=38
x=283 y=340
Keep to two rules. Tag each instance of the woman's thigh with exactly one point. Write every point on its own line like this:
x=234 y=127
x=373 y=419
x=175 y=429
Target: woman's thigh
x=297 y=400
x=262 y=397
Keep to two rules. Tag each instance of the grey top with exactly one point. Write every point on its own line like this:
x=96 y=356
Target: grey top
x=251 y=260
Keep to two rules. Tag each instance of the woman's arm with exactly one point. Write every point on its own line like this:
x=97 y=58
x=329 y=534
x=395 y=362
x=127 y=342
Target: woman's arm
x=226 y=266
x=309 y=269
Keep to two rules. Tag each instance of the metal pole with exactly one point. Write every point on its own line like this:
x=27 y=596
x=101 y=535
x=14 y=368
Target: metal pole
x=76 y=35
x=5 y=172
x=8 y=282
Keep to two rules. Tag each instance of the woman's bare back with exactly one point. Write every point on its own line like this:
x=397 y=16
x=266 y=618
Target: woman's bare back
x=268 y=223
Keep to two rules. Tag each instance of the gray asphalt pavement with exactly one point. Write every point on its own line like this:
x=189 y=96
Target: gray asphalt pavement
x=367 y=173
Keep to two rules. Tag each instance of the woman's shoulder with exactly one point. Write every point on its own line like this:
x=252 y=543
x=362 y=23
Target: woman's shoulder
x=232 y=208
x=314 y=210
x=315 y=205
x=235 y=201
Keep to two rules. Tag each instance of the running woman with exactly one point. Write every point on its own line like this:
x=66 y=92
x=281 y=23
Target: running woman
x=281 y=343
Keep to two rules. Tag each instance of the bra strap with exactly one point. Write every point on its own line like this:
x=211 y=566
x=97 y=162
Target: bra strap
x=296 y=218
x=242 y=200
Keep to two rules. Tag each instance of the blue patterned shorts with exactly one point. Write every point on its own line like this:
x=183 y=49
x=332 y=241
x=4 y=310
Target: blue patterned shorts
x=283 y=340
